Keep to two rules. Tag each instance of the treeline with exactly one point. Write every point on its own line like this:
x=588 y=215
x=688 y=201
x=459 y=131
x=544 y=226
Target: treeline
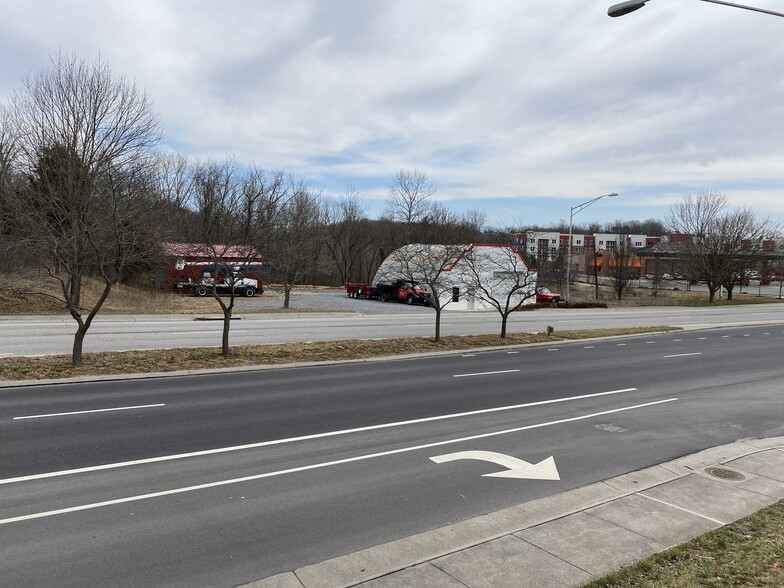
x=652 y=227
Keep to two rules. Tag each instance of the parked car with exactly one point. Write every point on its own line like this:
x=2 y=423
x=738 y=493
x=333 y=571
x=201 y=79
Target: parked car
x=543 y=295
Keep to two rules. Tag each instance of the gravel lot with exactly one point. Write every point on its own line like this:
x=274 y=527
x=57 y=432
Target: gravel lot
x=327 y=300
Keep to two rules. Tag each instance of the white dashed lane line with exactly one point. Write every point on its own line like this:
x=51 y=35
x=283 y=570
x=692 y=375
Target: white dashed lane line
x=485 y=373
x=682 y=355
x=58 y=414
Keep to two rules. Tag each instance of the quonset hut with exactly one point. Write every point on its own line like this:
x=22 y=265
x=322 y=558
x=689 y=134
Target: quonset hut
x=463 y=277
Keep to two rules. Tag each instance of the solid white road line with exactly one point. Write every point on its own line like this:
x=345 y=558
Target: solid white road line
x=682 y=355
x=123 y=464
x=316 y=466
x=484 y=373
x=56 y=414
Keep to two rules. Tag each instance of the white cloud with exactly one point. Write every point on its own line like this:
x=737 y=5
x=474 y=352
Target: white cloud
x=493 y=99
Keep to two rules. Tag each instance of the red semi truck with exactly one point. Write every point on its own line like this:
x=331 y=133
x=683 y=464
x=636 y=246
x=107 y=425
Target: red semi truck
x=400 y=291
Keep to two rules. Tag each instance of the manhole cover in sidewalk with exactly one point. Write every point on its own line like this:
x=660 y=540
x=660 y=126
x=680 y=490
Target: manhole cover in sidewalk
x=725 y=474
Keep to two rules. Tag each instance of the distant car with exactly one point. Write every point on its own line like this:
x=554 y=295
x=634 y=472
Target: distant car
x=543 y=295
x=743 y=280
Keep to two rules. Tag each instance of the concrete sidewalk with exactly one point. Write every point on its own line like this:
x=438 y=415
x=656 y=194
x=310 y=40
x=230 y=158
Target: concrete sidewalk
x=571 y=538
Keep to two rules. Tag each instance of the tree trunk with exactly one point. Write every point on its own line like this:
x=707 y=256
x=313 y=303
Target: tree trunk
x=438 y=323
x=75 y=293
x=225 y=339
x=76 y=352
x=504 y=318
x=286 y=295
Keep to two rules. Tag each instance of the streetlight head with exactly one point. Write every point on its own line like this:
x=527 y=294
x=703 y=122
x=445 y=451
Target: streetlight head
x=612 y=194
x=625 y=7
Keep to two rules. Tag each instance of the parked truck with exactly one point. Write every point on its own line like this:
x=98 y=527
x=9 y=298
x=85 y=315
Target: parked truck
x=399 y=291
x=226 y=281
x=544 y=296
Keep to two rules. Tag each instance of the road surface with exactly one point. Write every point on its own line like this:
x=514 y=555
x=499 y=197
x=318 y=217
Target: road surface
x=223 y=479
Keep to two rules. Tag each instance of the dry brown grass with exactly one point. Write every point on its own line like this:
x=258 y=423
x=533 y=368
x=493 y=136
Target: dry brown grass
x=167 y=360
x=645 y=297
x=38 y=295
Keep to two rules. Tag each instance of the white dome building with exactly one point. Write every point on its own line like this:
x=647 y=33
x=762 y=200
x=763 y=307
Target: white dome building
x=463 y=277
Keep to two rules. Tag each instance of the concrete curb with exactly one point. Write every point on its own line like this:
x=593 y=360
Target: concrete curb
x=570 y=538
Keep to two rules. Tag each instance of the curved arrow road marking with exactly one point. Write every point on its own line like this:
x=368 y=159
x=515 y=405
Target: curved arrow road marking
x=516 y=468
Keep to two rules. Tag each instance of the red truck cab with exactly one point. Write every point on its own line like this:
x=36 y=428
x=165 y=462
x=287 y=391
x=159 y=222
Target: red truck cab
x=543 y=295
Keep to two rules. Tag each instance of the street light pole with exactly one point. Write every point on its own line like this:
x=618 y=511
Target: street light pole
x=572 y=211
x=623 y=8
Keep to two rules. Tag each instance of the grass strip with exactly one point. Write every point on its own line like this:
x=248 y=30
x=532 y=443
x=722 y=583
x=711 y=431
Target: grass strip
x=748 y=552
x=167 y=360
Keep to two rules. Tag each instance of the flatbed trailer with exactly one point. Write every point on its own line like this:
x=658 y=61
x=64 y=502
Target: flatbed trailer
x=399 y=291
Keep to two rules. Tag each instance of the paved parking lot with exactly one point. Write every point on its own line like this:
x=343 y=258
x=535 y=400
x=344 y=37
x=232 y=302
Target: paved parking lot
x=327 y=299
x=335 y=299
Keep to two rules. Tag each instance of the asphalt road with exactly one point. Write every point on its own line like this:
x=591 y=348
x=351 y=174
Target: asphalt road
x=372 y=320
x=222 y=479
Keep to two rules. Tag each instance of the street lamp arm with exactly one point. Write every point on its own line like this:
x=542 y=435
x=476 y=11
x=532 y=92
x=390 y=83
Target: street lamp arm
x=575 y=209
x=572 y=211
x=623 y=8
x=744 y=7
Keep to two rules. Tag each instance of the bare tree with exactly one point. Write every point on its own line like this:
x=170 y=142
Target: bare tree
x=425 y=265
x=500 y=277
x=84 y=140
x=409 y=199
x=716 y=244
x=225 y=227
x=9 y=178
x=295 y=238
x=227 y=210
x=621 y=271
x=348 y=237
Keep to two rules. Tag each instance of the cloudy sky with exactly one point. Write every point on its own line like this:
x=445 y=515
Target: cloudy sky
x=521 y=109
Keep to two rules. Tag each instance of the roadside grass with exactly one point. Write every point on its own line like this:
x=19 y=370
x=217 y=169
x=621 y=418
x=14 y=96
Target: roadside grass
x=648 y=297
x=748 y=552
x=168 y=360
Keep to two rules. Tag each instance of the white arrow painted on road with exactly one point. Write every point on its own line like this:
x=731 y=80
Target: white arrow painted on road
x=517 y=468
